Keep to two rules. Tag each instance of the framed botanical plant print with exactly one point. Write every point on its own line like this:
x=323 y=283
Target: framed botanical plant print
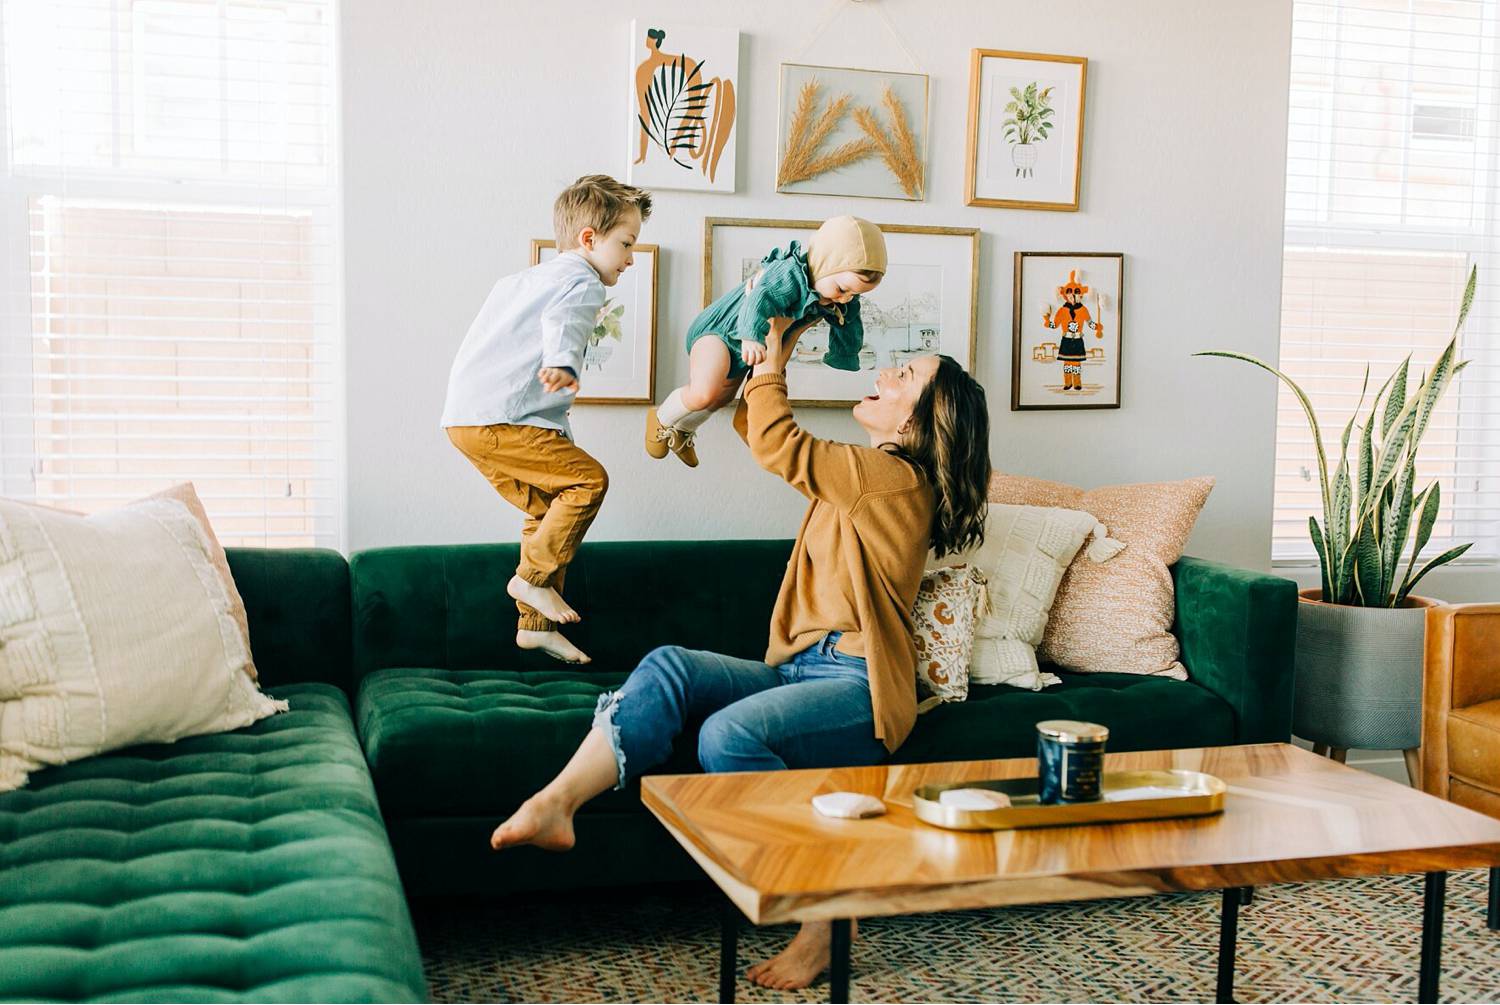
x=927 y=303
x=852 y=132
x=619 y=363
x=1067 y=330
x=1025 y=129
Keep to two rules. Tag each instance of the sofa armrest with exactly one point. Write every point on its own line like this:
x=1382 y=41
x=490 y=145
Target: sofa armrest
x=1460 y=667
x=1238 y=631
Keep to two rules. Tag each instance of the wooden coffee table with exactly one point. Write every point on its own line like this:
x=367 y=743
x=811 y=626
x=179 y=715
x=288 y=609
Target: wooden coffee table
x=1289 y=816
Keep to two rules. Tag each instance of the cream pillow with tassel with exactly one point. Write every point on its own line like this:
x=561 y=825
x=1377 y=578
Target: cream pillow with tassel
x=115 y=629
x=1025 y=553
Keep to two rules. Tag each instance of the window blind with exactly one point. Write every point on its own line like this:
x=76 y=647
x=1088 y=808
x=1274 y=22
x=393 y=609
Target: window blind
x=171 y=260
x=1392 y=146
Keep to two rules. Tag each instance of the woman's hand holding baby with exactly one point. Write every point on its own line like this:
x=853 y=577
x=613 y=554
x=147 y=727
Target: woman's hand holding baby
x=778 y=348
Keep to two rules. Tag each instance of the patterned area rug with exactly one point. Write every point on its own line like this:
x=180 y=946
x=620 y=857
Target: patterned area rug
x=1344 y=940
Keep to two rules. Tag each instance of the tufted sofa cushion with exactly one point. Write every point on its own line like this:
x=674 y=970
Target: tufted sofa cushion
x=1143 y=713
x=243 y=866
x=478 y=742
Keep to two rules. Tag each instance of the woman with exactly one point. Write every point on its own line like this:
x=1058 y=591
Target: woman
x=838 y=685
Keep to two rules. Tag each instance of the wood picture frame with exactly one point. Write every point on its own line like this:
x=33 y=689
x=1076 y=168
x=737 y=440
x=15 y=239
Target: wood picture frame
x=637 y=385
x=912 y=289
x=1060 y=163
x=1030 y=366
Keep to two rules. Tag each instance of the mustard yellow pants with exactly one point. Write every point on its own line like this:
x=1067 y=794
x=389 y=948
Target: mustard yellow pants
x=554 y=482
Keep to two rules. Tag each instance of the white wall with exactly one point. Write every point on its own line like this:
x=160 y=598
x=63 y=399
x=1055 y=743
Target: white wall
x=463 y=119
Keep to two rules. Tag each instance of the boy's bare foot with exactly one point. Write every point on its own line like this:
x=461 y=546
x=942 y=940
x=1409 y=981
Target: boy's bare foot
x=541 y=821
x=543 y=599
x=553 y=644
x=800 y=963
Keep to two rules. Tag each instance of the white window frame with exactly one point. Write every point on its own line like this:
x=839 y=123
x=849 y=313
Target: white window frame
x=19 y=184
x=1474 y=240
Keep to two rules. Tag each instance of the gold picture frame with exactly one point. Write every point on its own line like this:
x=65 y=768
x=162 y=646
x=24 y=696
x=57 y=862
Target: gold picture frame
x=960 y=344
x=982 y=111
x=630 y=395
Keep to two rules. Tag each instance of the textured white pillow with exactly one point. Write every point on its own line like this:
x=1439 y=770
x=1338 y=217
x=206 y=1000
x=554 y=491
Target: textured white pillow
x=115 y=629
x=1025 y=552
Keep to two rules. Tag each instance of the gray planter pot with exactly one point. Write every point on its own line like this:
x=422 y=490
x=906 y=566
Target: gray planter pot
x=1359 y=674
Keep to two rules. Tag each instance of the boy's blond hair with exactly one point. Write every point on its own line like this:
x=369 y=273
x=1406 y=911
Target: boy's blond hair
x=598 y=201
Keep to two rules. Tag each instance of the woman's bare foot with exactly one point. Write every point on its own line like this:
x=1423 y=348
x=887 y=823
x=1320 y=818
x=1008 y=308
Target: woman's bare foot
x=553 y=644
x=543 y=599
x=800 y=963
x=542 y=821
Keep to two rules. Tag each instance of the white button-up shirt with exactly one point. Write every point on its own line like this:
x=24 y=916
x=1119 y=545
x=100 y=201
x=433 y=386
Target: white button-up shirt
x=540 y=317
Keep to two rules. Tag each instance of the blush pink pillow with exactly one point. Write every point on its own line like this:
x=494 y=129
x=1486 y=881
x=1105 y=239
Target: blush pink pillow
x=1116 y=616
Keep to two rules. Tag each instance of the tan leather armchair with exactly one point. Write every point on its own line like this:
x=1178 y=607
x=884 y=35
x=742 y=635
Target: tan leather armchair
x=1461 y=713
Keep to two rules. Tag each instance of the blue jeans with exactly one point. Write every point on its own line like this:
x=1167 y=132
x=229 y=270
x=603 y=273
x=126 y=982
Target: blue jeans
x=813 y=712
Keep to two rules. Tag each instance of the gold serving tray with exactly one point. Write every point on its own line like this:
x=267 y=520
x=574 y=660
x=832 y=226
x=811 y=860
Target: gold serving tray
x=1195 y=794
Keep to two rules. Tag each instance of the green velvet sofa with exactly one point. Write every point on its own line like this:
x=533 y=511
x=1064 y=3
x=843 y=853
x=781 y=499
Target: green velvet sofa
x=257 y=865
x=244 y=866
x=459 y=726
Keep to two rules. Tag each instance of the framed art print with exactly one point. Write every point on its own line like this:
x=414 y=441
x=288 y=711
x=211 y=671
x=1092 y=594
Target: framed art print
x=1066 y=331
x=852 y=132
x=928 y=301
x=619 y=363
x=1025 y=134
x=683 y=105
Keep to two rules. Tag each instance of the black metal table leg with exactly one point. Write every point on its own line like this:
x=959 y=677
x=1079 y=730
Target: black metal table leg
x=1493 y=919
x=1434 y=893
x=1229 y=927
x=838 y=968
x=1247 y=894
x=729 y=939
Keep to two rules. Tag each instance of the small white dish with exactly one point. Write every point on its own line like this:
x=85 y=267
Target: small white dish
x=848 y=805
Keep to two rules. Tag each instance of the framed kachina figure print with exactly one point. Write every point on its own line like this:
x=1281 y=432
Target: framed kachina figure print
x=683 y=104
x=619 y=362
x=1066 y=333
x=1025 y=129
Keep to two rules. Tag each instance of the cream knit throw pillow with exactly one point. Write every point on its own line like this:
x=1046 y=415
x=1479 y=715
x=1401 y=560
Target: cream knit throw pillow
x=115 y=629
x=1025 y=553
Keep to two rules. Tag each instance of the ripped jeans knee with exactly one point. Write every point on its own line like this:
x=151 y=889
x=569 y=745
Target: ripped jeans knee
x=604 y=719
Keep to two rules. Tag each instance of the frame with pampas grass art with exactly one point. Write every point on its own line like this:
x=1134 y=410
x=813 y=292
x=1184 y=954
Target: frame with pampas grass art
x=852 y=132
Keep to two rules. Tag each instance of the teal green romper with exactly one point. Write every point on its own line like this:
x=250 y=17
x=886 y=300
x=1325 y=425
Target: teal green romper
x=784 y=290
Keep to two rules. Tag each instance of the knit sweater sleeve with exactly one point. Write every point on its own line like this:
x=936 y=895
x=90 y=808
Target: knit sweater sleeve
x=819 y=469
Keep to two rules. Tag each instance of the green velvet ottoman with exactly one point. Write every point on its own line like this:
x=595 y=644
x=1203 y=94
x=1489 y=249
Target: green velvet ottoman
x=244 y=866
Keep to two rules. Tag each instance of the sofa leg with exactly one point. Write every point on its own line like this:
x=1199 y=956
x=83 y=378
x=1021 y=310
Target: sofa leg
x=1339 y=754
x=1493 y=918
x=1321 y=749
x=1413 y=757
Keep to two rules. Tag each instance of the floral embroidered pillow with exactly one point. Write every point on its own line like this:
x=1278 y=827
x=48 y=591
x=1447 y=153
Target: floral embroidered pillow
x=950 y=603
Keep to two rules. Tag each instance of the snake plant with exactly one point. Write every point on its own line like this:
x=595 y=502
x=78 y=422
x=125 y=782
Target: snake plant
x=1367 y=509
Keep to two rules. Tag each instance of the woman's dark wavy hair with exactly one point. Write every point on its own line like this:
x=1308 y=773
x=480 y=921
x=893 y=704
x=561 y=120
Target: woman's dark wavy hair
x=949 y=440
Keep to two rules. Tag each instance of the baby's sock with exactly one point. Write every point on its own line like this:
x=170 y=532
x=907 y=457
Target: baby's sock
x=671 y=411
x=691 y=421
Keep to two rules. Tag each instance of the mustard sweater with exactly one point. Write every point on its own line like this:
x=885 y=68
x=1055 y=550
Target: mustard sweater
x=859 y=552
